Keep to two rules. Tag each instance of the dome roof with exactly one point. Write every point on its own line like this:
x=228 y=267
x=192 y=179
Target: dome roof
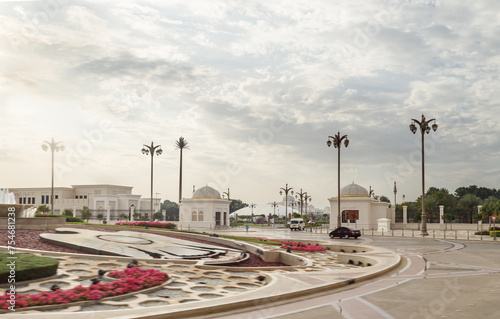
x=353 y=190
x=206 y=192
x=289 y=198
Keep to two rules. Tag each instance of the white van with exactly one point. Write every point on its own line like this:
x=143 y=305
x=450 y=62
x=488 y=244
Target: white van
x=297 y=224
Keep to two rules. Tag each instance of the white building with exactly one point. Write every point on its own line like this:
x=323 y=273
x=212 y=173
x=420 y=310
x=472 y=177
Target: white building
x=110 y=200
x=354 y=197
x=206 y=209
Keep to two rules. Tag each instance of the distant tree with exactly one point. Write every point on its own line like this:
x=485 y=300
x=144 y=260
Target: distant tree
x=172 y=213
x=236 y=204
x=86 y=213
x=100 y=216
x=158 y=215
x=481 y=192
x=385 y=199
x=43 y=209
x=468 y=205
x=68 y=212
x=123 y=216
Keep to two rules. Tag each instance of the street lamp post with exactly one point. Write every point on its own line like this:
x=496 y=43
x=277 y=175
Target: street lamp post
x=274 y=205
x=252 y=206
x=307 y=198
x=226 y=193
x=337 y=142
x=151 y=150
x=300 y=196
x=54 y=147
x=424 y=128
x=286 y=190
x=395 y=206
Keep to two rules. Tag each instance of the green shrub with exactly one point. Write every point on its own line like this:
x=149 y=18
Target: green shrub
x=68 y=212
x=28 y=267
x=73 y=220
x=48 y=215
x=496 y=231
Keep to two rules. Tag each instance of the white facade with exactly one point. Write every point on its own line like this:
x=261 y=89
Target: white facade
x=206 y=209
x=111 y=200
x=355 y=197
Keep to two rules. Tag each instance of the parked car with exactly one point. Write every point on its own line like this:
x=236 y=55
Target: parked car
x=345 y=232
x=297 y=224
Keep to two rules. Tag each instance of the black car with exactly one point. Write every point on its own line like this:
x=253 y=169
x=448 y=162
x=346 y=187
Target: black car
x=345 y=232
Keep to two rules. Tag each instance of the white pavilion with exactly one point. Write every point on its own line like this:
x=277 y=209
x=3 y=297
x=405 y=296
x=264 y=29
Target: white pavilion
x=205 y=209
x=356 y=198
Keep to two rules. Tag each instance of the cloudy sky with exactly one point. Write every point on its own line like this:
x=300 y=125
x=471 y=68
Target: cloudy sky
x=255 y=87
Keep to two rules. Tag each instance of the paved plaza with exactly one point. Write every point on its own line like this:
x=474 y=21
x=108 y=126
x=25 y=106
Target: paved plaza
x=415 y=278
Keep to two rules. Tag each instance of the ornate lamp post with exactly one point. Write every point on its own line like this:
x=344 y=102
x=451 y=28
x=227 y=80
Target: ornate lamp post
x=306 y=198
x=151 y=150
x=424 y=128
x=54 y=147
x=286 y=190
x=300 y=196
x=252 y=206
x=227 y=194
x=337 y=142
x=274 y=205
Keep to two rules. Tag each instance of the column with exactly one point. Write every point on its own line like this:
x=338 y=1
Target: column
x=441 y=212
x=108 y=213
x=74 y=211
x=405 y=214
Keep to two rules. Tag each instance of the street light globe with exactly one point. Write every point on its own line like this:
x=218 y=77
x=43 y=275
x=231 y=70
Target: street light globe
x=45 y=147
x=346 y=142
x=434 y=127
x=413 y=128
x=329 y=143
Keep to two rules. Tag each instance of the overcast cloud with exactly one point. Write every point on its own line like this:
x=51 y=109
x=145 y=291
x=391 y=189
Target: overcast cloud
x=255 y=87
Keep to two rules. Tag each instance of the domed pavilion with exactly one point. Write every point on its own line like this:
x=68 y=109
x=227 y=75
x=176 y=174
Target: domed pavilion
x=357 y=208
x=205 y=209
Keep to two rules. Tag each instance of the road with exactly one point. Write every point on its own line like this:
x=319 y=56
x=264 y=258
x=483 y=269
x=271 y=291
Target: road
x=438 y=278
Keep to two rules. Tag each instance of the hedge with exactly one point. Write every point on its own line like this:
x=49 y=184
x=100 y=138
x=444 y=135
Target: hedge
x=27 y=267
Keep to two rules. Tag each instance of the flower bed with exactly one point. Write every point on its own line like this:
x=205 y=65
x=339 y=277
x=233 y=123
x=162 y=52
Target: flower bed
x=301 y=246
x=296 y=245
x=128 y=280
x=148 y=224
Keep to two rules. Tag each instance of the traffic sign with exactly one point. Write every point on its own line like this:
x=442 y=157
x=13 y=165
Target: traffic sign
x=493 y=218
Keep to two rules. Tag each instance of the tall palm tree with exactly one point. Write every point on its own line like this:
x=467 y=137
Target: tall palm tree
x=181 y=144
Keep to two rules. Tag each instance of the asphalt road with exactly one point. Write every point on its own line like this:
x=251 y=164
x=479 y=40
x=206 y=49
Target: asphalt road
x=439 y=278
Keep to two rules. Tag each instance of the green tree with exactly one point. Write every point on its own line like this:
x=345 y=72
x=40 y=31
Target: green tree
x=100 y=216
x=123 y=216
x=468 y=206
x=43 y=209
x=481 y=192
x=172 y=213
x=236 y=204
x=68 y=212
x=86 y=213
x=158 y=215
x=180 y=145
x=490 y=208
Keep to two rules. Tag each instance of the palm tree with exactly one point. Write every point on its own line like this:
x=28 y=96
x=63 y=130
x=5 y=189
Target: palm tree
x=181 y=144
x=469 y=203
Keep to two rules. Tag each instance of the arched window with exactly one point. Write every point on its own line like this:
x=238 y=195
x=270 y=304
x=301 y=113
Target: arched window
x=194 y=216
x=200 y=216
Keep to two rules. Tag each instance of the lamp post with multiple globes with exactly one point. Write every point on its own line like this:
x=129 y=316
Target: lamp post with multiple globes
x=425 y=128
x=151 y=150
x=337 y=143
x=54 y=147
